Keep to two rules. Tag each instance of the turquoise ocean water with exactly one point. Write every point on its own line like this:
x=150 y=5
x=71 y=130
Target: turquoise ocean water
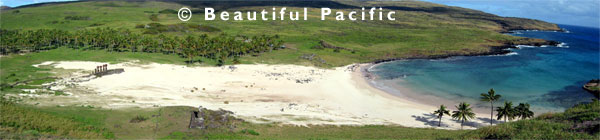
x=549 y=77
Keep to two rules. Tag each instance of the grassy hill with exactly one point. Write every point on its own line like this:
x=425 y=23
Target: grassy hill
x=421 y=29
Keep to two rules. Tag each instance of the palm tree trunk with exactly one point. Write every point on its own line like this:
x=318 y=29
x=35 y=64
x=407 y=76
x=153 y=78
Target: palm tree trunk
x=492 y=114
x=440 y=123
x=461 y=124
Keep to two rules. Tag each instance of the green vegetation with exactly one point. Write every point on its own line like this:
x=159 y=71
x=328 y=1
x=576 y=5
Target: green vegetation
x=16 y=119
x=506 y=112
x=522 y=111
x=440 y=113
x=578 y=122
x=138 y=118
x=249 y=131
x=490 y=97
x=463 y=113
x=218 y=48
x=172 y=123
x=168 y=11
x=421 y=30
x=156 y=28
x=77 y=18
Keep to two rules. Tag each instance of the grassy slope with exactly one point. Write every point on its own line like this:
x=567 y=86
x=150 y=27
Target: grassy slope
x=578 y=122
x=172 y=122
x=454 y=31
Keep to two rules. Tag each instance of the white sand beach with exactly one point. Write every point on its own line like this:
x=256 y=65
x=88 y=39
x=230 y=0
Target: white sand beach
x=286 y=94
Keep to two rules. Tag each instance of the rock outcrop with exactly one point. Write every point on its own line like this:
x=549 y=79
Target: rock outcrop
x=593 y=87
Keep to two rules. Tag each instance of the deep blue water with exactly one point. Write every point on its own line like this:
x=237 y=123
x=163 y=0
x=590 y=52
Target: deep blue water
x=549 y=78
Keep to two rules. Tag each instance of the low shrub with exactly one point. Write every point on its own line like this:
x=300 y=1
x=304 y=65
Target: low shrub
x=168 y=11
x=249 y=131
x=154 y=17
x=138 y=118
x=77 y=18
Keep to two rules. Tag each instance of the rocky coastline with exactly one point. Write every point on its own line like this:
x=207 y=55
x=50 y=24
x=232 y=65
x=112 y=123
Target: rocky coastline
x=493 y=50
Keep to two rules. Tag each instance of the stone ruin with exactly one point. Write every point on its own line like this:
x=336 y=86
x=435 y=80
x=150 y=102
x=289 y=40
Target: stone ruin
x=212 y=119
x=103 y=70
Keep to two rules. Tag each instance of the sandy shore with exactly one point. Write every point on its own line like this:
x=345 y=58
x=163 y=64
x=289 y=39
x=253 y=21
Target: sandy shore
x=287 y=94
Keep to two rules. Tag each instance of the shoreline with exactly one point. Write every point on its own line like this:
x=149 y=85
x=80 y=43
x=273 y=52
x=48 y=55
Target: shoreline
x=493 y=50
x=401 y=91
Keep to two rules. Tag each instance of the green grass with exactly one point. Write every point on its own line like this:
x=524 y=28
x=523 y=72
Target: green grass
x=413 y=34
x=579 y=122
x=18 y=119
x=172 y=123
x=18 y=68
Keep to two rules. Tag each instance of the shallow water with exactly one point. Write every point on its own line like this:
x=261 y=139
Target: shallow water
x=549 y=78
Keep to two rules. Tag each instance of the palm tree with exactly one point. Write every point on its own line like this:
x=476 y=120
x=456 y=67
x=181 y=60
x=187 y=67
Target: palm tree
x=440 y=113
x=218 y=48
x=506 y=112
x=463 y=113
x=522 y=111
x=490 y=97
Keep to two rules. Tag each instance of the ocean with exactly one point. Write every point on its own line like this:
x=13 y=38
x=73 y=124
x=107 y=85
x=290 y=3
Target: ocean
x=549 y=77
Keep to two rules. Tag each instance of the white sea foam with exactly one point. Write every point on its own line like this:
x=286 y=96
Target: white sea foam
x=562 y=45
x=511 y=53
x=506 y=54
x=524 y=46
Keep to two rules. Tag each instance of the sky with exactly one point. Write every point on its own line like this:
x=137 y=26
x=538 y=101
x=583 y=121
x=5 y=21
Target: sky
x=15 y=3
x=571 y=12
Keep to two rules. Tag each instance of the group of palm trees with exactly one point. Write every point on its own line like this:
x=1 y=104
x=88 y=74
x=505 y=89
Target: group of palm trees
x=218 y=47
x=507 y=112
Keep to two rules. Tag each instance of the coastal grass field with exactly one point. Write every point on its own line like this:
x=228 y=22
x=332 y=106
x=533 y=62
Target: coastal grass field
x=172 y=122
x=415 y=34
